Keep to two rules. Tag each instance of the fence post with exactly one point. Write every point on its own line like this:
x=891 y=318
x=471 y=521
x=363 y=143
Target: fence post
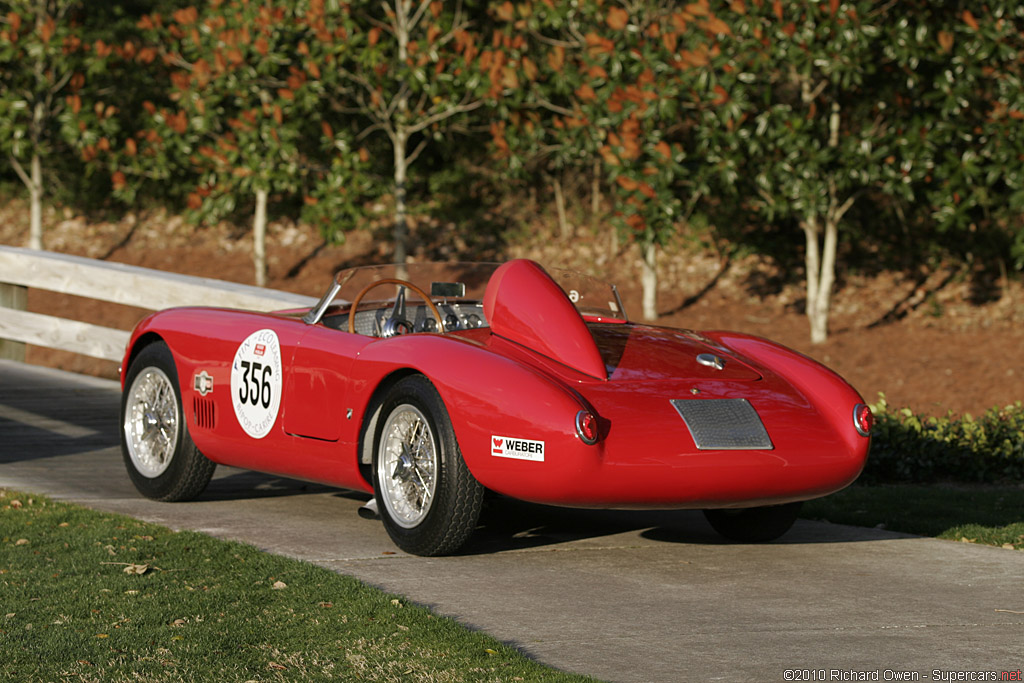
x=13 y=296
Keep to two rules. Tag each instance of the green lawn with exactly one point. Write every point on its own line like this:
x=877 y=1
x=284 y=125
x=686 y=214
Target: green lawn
x=977 y=513
x=91 y=596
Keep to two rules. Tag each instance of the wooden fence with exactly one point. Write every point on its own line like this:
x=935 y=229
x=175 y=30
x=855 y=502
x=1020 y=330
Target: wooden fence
x=22 y=269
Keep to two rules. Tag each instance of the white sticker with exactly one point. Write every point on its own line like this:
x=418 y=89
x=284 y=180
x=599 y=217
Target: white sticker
x=256 y=382
x=520 y=449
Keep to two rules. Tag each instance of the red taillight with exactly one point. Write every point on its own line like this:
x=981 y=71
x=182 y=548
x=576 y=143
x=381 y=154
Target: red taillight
x=863 y=419
x=586 y=427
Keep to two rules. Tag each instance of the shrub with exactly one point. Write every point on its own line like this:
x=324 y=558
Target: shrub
x=910 y=448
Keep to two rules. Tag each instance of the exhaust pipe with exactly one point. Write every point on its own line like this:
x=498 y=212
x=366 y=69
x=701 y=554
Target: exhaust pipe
x=369 y=510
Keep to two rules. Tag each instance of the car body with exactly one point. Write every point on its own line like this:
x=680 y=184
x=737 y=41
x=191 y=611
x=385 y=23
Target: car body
x=456 y=379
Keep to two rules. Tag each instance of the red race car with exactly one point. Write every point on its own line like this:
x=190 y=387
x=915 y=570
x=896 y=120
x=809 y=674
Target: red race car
x=427 y=385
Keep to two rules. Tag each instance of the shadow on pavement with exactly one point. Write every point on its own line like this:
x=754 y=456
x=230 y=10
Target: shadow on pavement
x=509 y=524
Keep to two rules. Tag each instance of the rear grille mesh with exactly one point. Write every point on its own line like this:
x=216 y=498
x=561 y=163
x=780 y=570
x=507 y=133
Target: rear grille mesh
x=728 y=424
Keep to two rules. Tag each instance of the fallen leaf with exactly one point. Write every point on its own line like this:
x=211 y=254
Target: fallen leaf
x=490 y=651
x=396 y=602
x=1008 y=546
x=325 y=604
x=137 y=569
x=278 y=667
x=178 y=622
x=21 y=541
x=102 y=635
x=16 y=503
x=279 y=585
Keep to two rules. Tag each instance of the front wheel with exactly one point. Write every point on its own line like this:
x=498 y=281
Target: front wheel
x=158 y=452
x=427 y=497
x=754 y=525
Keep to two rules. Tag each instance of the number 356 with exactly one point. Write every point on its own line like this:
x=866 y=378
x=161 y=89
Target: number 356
x=255 y=387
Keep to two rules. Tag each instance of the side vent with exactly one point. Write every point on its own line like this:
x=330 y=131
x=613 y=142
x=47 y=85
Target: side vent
x=205 y=412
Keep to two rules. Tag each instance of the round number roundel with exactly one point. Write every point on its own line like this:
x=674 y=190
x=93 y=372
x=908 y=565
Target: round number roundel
x=256 y=382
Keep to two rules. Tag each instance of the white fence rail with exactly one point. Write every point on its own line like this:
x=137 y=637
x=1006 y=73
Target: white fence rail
x=22 y=269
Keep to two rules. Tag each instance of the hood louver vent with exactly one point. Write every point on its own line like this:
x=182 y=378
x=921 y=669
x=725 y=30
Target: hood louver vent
x=204 y=411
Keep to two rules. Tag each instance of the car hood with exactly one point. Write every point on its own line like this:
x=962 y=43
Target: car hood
x=636 y=353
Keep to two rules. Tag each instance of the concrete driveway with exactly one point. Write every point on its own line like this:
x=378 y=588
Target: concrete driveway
x=620 y=596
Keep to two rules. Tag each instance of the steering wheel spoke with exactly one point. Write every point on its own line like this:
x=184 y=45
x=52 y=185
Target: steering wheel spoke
x=394 y=325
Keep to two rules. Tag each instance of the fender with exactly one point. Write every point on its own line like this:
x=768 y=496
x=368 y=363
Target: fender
x=832 y=395
x=490 y=396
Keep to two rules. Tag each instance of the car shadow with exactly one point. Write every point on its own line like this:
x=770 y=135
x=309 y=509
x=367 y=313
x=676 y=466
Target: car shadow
x=230 y=483
x=508 y=524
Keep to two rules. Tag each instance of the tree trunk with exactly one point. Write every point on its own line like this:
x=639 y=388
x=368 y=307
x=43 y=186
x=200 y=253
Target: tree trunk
x=649 y=280
x=259 y=238
x=820 y=262
x=401 y=233
x=400 y=141
x=563 y=223
x=595 y=196
x=35 y=191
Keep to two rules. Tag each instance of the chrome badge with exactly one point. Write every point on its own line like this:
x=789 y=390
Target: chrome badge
x=203 y=383
x=711 y=361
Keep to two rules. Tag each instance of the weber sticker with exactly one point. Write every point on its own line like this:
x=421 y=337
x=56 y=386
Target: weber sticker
x=520 y=449
x=256 y=382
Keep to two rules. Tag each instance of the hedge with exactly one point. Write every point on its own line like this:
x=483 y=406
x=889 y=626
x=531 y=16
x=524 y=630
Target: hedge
x=911 y=448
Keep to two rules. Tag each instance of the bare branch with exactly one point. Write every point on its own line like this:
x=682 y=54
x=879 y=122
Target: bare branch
x=446 y=114
x=416 y=152
x=19 y=169
x=419 y=15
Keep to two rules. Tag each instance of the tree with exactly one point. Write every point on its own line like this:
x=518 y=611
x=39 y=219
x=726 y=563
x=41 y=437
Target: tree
x=634 y=89
x=413 y=74
x=243 y=94
x=963 y=68
x=821 y=125
x=42 y=57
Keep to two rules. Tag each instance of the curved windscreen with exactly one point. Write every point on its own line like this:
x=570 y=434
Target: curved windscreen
x=459 y=282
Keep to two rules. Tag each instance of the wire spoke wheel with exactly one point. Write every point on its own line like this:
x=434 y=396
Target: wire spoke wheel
x=407 y=466
x=162 y=460
x=151 y=421
x=428 y=499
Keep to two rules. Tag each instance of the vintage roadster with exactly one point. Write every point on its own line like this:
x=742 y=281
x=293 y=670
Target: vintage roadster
x=428 y=385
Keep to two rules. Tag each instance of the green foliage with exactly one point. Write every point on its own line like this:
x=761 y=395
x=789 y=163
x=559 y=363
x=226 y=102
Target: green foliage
x=1017 y=250
x=978 y=514
x=906 y=447
x=104 y=597
x=767 y=114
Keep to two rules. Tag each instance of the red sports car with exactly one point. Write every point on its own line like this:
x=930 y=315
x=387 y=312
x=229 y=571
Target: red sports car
x=427 y=385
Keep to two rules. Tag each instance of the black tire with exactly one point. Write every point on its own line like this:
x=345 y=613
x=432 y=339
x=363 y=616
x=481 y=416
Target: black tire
x=161 y=459
x=428 y=499
x=754 y=525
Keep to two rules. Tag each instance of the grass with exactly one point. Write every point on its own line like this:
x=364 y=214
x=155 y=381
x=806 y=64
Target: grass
x=93 y=596
x=993 y=515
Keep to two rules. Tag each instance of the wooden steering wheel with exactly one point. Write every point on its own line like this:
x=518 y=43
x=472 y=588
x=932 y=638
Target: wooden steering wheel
x=392 y=281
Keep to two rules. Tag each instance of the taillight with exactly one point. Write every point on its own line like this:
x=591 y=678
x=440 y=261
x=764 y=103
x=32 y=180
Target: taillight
x=863 y=419
x=586 y=427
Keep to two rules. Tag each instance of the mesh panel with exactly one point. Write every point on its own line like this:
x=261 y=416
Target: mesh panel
x=723 y=424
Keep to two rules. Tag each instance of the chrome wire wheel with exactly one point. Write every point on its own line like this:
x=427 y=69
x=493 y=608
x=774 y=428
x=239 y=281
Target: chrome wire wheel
x=151 y=422
x=407 y=466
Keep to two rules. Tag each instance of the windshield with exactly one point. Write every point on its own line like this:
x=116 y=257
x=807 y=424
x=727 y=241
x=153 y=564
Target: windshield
x=389 y=300
x=467 y=282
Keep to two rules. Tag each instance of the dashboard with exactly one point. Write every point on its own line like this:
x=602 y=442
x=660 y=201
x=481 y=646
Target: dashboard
x=411 y=319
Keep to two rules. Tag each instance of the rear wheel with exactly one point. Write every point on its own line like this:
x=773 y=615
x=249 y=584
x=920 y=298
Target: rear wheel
x=427 y=497
x=158 y=452
x=754 y=525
